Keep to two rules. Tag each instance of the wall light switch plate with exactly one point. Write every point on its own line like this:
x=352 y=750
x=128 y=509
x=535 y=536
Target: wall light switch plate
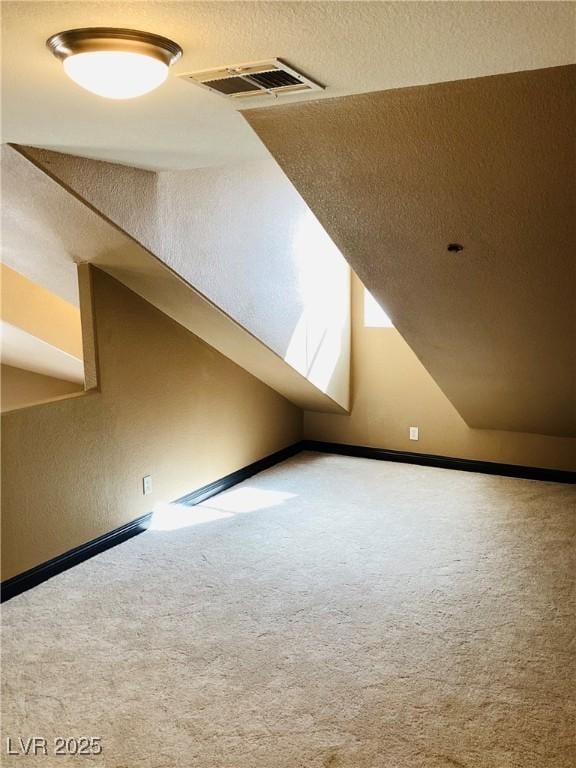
x=147 y=485
x=414 y=432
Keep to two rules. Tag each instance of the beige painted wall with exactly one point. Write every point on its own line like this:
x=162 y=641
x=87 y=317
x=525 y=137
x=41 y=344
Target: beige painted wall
x=40 y=312
x=391 y=391
x=19 y=388
x=168 y=405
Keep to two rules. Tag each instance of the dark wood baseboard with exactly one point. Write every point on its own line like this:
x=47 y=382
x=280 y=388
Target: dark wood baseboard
x=24 y=581
x=239 y=476
x=31 y=578
x=445 y=462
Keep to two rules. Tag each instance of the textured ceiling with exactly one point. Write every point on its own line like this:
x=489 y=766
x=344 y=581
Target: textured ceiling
x=65 y=226
x=284 y=281
x=397 y=175
x=351 y=47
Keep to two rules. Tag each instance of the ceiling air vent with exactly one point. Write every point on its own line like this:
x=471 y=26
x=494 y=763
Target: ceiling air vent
x=257 y=79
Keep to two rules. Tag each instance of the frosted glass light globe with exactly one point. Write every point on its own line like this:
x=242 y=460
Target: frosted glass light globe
x=116 y=74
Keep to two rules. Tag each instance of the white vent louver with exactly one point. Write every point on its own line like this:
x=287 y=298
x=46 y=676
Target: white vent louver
x=258 y=79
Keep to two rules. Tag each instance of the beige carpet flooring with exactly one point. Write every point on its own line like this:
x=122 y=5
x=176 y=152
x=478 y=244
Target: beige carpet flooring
x=331 y=612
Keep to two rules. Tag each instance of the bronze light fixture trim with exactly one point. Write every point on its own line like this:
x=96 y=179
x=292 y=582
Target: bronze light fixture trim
x=115 y=63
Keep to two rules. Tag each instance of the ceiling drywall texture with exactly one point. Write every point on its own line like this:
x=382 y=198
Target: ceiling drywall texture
x=395 y=176
x=245 y=239
x=29 y=247
x=65 y=227
x=351 y=47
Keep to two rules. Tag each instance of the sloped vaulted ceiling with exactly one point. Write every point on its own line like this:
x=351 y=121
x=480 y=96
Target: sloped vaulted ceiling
x=62 y=210
x=395 y=176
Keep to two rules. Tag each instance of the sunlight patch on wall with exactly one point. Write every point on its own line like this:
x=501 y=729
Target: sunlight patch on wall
x=320 y=344
x=374 y=315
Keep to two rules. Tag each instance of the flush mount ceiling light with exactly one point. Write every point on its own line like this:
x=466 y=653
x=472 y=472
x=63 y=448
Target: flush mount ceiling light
x=114 y=63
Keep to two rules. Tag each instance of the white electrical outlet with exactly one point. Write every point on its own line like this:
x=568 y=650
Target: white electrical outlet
x=147 y=485
x=414 y=432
